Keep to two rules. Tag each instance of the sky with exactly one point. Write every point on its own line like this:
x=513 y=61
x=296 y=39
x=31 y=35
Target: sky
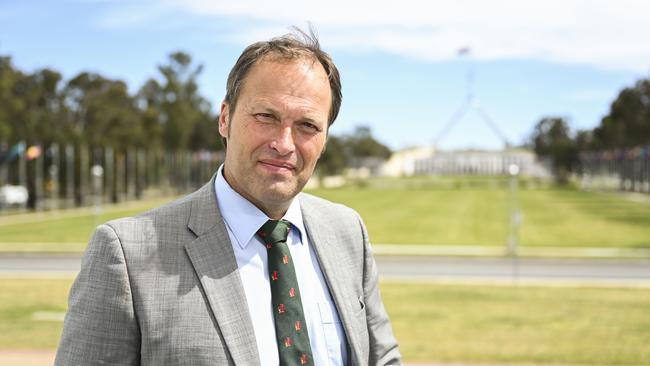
x=399 y=61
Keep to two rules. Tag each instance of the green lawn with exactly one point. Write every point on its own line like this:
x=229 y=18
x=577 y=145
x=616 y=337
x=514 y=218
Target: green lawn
x=449 y=323
x=479 y=216
x=467 y=211
x=65 y=231
x=491 y=324
x=578 y=218
x=425 y=216
x=22 y=301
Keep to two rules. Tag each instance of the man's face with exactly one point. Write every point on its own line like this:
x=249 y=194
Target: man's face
x=277 y=131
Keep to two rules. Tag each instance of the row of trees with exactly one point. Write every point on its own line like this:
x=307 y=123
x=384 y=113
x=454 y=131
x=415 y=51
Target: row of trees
x=90 y=109
x=627 y=125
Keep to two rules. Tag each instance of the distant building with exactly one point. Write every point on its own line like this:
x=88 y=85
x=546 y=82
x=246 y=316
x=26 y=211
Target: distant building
x=428 y=161
x=402 y=163
x=480 y=162
x=362 y=168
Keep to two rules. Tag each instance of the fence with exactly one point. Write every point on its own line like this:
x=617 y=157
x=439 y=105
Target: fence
x=621 y=169
x=71 y=176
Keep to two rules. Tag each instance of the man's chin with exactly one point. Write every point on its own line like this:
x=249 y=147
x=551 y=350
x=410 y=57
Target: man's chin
x=279 y=192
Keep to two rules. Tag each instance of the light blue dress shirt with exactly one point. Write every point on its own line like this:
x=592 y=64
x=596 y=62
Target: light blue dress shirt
x=242 y=220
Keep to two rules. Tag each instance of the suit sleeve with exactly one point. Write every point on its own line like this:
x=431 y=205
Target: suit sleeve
x=100 y=326
x=383 y=345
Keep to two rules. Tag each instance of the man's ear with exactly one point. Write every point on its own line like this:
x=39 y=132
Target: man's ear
x=224 y=117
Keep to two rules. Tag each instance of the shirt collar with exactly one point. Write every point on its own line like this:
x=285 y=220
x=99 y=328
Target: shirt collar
x=243 y=218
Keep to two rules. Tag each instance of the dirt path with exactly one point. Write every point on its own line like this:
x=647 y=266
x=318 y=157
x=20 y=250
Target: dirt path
x=46 y=358
x=26 y=358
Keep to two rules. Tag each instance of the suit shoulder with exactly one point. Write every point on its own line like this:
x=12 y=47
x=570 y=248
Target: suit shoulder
x=168 y=212
x=326 y=208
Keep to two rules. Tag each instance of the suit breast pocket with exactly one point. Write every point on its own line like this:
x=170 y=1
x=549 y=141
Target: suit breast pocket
x=333 y=333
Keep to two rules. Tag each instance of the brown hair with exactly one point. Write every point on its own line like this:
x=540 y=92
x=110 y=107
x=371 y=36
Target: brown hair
x=297 y=44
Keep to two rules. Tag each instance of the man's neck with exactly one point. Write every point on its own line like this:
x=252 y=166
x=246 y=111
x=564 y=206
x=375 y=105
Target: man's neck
x=274 y=212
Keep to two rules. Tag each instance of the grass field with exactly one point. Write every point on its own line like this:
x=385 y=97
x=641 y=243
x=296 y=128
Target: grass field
x=22 y=302
x=475 y=212
x=455 y=323
x=545 y=325
x=64 y=231
x=479 y=217
x=468 y=211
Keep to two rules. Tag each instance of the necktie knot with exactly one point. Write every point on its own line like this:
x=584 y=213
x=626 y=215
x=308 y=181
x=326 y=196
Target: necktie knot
x=274 y=231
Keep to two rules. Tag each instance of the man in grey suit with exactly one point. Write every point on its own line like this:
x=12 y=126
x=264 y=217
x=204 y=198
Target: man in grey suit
x=247 y=270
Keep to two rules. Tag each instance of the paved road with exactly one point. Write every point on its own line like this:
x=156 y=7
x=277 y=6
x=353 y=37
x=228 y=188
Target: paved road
x=596 y=271
x=26 y=264
x=426 y=268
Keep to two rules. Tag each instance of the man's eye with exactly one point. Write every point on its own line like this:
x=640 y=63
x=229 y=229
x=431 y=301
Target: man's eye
x=265 y=117
x=310 y=127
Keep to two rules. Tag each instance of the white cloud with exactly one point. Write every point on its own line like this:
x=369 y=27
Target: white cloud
x=604 y=34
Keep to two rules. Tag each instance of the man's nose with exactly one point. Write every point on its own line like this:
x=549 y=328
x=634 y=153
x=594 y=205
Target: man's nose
x=283 y=142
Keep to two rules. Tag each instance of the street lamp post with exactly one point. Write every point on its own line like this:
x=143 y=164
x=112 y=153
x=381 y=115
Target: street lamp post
x=98 y=173
x=515 y=219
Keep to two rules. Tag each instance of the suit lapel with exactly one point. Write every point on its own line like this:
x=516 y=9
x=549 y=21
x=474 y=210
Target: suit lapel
x=322 y=238
x=214 y=261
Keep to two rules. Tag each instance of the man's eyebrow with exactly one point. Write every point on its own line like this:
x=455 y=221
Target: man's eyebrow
x=255 y=107
x=308 y=119
x=320 y=125
x=271 y=110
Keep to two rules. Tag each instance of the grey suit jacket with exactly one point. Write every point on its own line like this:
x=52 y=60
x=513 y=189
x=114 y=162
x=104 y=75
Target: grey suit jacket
x=163 y=288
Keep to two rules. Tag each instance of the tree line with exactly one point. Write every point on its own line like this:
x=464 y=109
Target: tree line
x=626 y=126
x=91 y=109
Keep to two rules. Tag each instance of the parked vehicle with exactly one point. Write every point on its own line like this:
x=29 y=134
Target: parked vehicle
x=13 y=195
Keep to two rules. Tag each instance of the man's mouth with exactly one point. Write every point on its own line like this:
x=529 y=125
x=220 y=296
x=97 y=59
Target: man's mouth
x=276 y=165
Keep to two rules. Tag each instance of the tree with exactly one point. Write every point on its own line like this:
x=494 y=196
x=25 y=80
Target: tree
x=32 y=112
x=361 y=144
x=351 y=150
x=628 y=121
x=333 y=160
x=149 y=101
x=551 y=139
x=104 y=114
x=205 y=135
x=31 y=107
x=9 y=104
x=181 y=107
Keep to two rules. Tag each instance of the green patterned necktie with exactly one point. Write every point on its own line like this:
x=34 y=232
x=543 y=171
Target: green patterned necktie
x=290 y=328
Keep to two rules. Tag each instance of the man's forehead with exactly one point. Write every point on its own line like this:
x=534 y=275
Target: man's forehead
x=297 y=55
x=270 y=69
x=272 y=60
